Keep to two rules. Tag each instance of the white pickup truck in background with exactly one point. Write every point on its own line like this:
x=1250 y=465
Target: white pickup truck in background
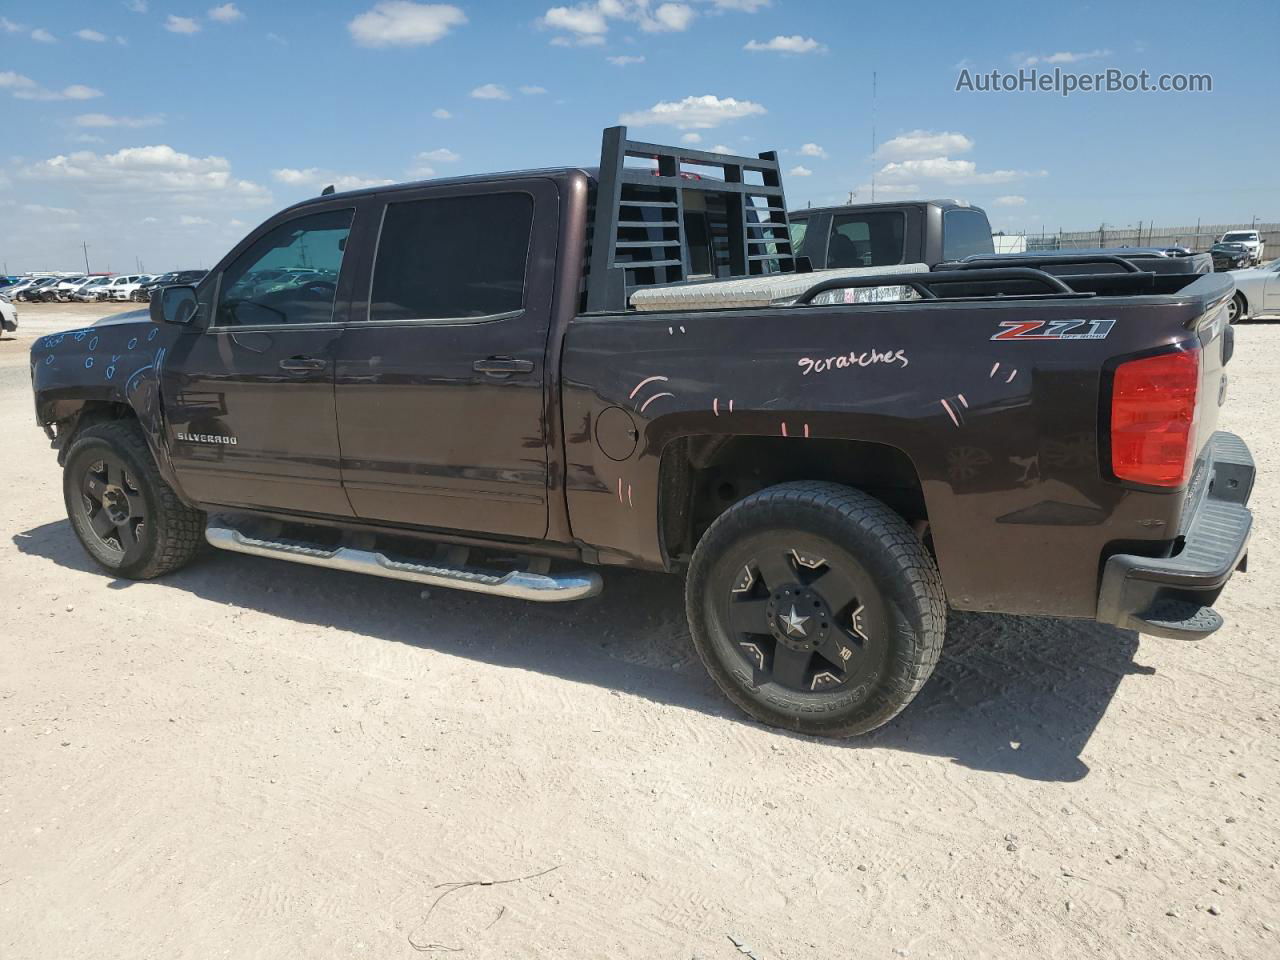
x=1250 y=238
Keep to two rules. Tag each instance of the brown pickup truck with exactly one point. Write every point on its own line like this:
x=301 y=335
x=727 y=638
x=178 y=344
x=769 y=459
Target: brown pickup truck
x=446 y=382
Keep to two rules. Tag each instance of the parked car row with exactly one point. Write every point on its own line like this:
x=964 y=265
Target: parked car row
x=87 y=289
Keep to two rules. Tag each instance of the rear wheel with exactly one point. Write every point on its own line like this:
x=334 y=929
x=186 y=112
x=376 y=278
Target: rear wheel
x=816 y=608
x=127 y=517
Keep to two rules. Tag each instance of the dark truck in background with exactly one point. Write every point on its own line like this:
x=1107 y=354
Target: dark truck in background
x=470 y=401
x=937 y=232
x=889 y=234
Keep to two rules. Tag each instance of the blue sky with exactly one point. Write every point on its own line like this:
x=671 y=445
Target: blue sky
x=163 y=131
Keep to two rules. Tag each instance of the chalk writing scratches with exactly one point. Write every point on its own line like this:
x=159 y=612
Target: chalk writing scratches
x=715 y=406
x=805 y=432
x=950 y=413
x=960 y=397
x=627 y=501
x=994 y=368
x=852 y=359
x=1012 y=375
x=671 y=331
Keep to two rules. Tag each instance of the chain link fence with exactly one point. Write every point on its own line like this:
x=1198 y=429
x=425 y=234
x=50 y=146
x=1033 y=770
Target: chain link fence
x=1197 y=237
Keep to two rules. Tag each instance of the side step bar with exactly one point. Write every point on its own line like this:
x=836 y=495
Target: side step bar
x=521 y=584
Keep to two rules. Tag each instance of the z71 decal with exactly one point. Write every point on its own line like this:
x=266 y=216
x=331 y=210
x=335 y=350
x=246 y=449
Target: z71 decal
x=1054 y=330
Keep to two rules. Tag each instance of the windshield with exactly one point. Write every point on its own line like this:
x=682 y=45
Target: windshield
x=1227 y=237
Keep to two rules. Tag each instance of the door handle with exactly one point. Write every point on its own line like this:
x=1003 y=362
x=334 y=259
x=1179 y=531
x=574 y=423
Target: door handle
x=303 y=364
x=502 y=366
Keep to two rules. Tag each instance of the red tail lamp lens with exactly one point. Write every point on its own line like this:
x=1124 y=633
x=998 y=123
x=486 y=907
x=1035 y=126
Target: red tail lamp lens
x=1153 y=413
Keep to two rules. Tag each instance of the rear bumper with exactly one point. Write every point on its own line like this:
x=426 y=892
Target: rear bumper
x=1174 y=596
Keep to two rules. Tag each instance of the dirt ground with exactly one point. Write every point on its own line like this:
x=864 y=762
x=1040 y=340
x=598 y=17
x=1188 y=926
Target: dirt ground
x=256 y=759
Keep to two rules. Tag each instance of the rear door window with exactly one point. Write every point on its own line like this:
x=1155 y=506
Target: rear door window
x=870 y=239
x=452 y=258
x=964 y=234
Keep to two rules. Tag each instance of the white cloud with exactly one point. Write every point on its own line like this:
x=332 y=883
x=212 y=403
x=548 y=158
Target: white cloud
x=440 y=155
x=491 y=91
x=746 y=6
x=15 y=81
x=625 y=60
x=106 y=120
x=40 y=208
x=440 y=113
x=93 y=36
x=8 y=26
x=691 y=138
x=780 y=44
x=1010 y=200
x=813 y=150
x=1064 y=56
x=24 y=88
x=421 y=171
x=136 y=6
x=152 y=170
x=532 y=91
x=799 y=171
x=721 y=148
x=187 y=220
x=43 y=35
x=585 y=24
x=587 y=19
x=87 y=138
x=318 y=177
x=401 y=23
x=951 y=171
x=226 y=13
x=918 y=144
x=669 y=17
x=181 y=24
x=693 y=113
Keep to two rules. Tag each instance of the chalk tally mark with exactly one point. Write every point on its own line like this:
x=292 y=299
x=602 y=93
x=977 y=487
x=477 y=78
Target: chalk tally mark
x=644 y=383
x=1009 y=379
x=715 y=406
x=804 y=433
x=627 y=501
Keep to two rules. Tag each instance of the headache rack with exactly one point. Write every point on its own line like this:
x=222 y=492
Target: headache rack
x=659 y=222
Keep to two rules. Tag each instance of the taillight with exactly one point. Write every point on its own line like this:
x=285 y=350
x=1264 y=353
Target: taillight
x=1153 y=412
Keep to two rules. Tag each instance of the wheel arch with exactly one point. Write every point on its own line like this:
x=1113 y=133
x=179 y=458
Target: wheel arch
x=703 y=475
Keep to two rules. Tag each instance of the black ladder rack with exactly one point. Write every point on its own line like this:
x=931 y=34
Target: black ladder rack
x=629 y=250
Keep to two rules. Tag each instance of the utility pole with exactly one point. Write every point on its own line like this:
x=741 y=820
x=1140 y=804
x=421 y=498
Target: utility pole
x=873 y=137
x=85 y=246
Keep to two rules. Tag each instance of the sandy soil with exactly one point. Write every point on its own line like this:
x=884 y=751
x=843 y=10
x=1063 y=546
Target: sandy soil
x=254 y=759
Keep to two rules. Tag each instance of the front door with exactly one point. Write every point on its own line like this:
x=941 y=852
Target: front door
x=249 y=400
x=441 y=372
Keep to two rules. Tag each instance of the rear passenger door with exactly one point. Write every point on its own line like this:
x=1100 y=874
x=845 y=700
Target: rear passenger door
x=441 y=373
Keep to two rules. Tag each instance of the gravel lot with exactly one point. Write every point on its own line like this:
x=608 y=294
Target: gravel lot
x=256 y=759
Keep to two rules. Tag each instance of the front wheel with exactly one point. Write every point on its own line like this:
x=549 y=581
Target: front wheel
x=816 y=608
x=1236 y=308
x=126 y=516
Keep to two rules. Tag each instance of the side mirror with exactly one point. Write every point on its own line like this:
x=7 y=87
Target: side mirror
x=176 y=304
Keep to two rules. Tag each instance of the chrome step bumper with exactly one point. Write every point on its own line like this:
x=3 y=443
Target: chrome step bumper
x=521 y=584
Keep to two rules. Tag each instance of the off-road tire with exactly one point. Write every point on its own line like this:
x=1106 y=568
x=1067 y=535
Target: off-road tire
x=167 y=532
x=868 y=542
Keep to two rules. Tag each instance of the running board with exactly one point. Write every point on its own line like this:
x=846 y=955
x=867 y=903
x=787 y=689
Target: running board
x=521 y=584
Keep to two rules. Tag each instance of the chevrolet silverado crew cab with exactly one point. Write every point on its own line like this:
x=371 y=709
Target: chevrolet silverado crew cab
x=447 y=382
